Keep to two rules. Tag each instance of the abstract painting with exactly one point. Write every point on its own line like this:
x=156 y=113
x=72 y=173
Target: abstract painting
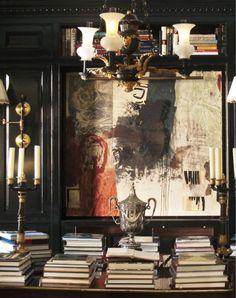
x=155 y=137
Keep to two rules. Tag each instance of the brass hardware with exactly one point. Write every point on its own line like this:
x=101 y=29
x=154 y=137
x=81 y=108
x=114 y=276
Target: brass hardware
x=23 y=142
x=23 y=109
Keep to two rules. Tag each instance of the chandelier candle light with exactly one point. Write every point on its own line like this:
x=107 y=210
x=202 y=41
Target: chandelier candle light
x=19 y=183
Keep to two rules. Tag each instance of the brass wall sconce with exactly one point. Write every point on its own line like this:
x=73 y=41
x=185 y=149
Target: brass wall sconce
x=19 y=183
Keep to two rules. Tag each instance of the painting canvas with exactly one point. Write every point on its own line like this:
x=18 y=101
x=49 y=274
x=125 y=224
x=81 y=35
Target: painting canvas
x=155 y=137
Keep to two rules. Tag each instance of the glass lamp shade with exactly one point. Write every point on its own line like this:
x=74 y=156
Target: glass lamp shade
x=3 y=94
x=184 y=49
x=231 y=98
x=87 y=51
x=112 y=41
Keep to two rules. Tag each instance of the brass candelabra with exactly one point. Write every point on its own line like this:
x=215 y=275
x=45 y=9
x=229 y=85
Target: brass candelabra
x=19 y=183
x=223 y=247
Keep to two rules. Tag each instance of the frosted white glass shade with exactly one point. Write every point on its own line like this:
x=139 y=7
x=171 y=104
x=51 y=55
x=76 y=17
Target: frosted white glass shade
x=231 y=98
x=112 y=41
x=3 y=94
x=87 y=51
x=184 y=49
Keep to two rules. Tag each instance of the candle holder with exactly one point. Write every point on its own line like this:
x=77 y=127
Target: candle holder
x=22 y=188
x=19 y=183
x=223 y=247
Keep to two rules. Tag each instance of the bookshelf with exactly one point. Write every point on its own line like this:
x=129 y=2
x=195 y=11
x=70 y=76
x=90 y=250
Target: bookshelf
x=208 y=39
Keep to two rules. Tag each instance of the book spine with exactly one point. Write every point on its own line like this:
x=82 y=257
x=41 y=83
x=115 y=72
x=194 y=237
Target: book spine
x=73 y=40
x=68 y=42
x=164 y=40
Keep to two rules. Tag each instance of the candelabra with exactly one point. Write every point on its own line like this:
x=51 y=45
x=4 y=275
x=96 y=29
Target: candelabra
x=223 y=247
x=20 y=183
x=218 y=184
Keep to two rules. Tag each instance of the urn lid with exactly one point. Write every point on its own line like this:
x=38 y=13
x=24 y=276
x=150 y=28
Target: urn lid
x=132 y=199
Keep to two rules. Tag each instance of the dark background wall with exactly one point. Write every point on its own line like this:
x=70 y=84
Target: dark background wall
x=30 y=53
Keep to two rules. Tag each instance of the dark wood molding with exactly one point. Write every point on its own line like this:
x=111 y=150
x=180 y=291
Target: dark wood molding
x=91 y=7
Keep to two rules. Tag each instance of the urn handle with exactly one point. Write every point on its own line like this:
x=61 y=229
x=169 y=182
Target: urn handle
x=116 y=221
x=149 y=206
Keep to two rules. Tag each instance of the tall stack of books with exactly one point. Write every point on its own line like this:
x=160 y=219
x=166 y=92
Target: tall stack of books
x=69 y=270
x=204 y=44
x=15 y=268
x=36 y=242
x=195 y=265
x=129 y=268
x=83 y=244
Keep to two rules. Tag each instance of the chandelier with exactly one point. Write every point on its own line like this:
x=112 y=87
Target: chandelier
x=122 y=37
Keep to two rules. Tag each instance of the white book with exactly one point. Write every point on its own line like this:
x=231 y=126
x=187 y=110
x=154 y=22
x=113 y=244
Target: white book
x=130 y=266
x=131 y=253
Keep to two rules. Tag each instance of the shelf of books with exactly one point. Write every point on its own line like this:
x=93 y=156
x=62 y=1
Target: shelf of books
x=161 y=39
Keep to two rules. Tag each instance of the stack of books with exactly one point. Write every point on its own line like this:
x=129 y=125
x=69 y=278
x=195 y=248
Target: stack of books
x=15 y=268
x=193 y=245
x=83 y=244
x=36 y=242
x=69 y=271
x=204 y=44
x=129 y=268
x=195 y=264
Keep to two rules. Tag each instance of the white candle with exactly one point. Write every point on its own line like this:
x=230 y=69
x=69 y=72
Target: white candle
x=212 y=162
x=21 y=158
x=218 y=163
x=11 y=163
x=36 y=162
x=234 y=162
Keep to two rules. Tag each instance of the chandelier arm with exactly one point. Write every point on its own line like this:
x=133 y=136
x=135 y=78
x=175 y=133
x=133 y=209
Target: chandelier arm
x=102 y=58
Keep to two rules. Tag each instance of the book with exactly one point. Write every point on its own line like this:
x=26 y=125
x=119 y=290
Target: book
x=195 y=268
x=128 y=275
x=67 y=280
x=66 y=274
x=130 y=286
x=16 y=267
x=82 y=247
x=15 y=271
x=68 y=268
x=131 y=253
x=163 y=40
x=11 y=235
x=192 y=241
x=72 y=259
x=16 y=278
x=199 y=285
x=13 y=259
x=83 y=236
x=196 y=259
x=196 y=273
x=129 y=281
x=82 y=253
x=130 y=266
x=195 y=279
x=129 y=271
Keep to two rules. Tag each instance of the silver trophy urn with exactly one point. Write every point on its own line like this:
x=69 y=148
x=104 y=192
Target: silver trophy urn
x=132 y=216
